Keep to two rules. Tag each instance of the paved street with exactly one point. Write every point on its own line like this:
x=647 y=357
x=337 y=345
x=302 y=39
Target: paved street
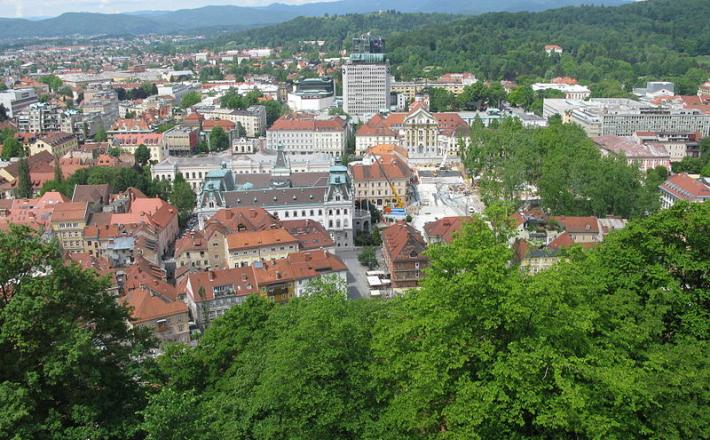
x=357 y=277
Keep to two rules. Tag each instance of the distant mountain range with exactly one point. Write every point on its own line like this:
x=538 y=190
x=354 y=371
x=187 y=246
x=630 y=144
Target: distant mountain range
x=238 y=17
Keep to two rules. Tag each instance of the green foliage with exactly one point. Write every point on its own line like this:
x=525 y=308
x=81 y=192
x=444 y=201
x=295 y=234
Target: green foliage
x=53 y=81
x=274 y=110
x=565 y=166
x=368 y=257
x=101 y=135
x=3 y=113
x=211 y=73
x=241 y=131
x=69 y=362
x=183 y=198
x=219 y=140
x=142 y=155
x=24 y=181
x=190 y=99
x=11 y=147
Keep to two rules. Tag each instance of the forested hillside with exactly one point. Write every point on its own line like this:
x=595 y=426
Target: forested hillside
x=611 y=48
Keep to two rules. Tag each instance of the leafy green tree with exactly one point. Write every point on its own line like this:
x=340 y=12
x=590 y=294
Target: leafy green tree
x=58 y=175
x=274 y=110
x=183 y=198
x=441 y=100
x=101 y=135
x=190 y=99
x=367 y=257
x=142 y=155
x=24 y=188
x=11 y=147
x=70 y=363
x=232 y=100
x=219 y=140
x=66 y=91
x=3 y=113
x=53 y=81
x=241 y=131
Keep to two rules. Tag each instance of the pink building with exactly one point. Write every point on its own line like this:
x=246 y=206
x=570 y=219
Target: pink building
x=645 y=156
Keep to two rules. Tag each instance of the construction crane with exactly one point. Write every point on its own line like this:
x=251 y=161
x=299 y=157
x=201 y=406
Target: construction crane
x=399 y=203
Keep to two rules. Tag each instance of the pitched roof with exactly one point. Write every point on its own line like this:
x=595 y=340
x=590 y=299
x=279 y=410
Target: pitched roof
x=685 y=187
x=297 y=122
x=241 y=280
x=298 y=266
x=250 y=219
x=403 y=243
x=309 y=233
x=212 y=123
x=75 y=211
x=446 y=227
x=578 y=225
x=391 y=167
x=269 y=237
x=91 y=193
x=148 y=306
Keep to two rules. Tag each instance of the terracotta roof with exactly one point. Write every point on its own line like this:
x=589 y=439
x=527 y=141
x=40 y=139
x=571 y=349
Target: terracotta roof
x=241 y=279
x=307 y=123
x=192 y=241
x=250 y=219
x=451 y=123
x=629 y=147
x=578 y=225
x=298 y=266
x=445 y=228
x=565 y=240
x=42 y=158
x=148 y=306
x=57 y=138
x=269 y=237
x=391 y=168
x=70 y=211
x=685 y=187
x=309 y=233
x=122 y=124
x=212 y=123
x=382 y=149
x=403 y=243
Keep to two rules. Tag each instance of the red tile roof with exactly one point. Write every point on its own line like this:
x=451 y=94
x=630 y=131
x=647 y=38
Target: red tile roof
x=685 y=187
x=307 y=123
x=269 y=237
x=403 y=243
x=578 y=225
x=148 y=306
x=445 y=228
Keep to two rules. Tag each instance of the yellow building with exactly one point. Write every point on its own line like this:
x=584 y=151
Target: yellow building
x=68 y=222
x=244 y=248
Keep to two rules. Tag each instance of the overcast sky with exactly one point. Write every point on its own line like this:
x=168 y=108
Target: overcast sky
x=42 y=8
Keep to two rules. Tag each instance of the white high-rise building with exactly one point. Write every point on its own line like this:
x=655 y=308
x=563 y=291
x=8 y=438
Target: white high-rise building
x=366 y=79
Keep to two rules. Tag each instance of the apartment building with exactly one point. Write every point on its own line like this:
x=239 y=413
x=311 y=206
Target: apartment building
x=682 y=187
x=302 y=133
x=129 y=142
x=366 y=78
x=381 y=180
x=180 y=141
x=16 y=100
x=253 y=119
x=645 y=156
x=244 y=248
x=403 y=251
x=68 y=222
x=56 y=143
x=167 y=318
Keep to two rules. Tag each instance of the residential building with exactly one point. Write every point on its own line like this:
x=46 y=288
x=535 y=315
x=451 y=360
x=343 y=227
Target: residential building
x=180 y=141
x=654 y=89
x=682 y=187
x=366 y=79
x=167 y=318
x=645 y=156
x=403 y=251
x=253 y=119
x=678 y=145
x=374 y=132
x=101 y=99
x=242 y=145
x=444 y=230
x=176 y=90
x=97 y=196
x=580 y=229
x=56 y=143
x=245 y=248
x=68 y=222
x=35 y=213
x=129 y=142
x=210 y=294
x=451 y=82
x=534 y=258
x=16 y=100
x=381 y=180
x=302 y=133
x=553 y=49
x=158 y=217
x=704 y=90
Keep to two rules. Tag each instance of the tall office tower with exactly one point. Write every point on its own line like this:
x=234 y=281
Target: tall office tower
x=366 y=78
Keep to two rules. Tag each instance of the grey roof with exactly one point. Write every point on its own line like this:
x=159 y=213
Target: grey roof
x=273 y=198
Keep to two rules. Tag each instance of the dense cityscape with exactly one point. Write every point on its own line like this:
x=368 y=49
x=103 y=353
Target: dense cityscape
x=377 y=225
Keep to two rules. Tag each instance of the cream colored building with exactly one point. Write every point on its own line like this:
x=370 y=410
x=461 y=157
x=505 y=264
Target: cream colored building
x=68 y=222
x=57 y=143
x=244 y=248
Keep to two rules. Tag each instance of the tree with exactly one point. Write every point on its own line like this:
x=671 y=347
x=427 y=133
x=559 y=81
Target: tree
x=66 y=91
x=11 y=147
x=58 y=175
x=183 y=198
x=142 y=155
x=190 y=99
x=441 y=100
x=70 y=363
x=219 y=141
x=241 y=131
x=368 y=257
x=232 y=100
x=3 y=113
x=114 y=152
x=53 y=81
x=274 y=110
x=24 y=188
x=101 y=135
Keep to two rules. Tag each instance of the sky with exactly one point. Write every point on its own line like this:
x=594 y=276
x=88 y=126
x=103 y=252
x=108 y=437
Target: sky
x=50 y=8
